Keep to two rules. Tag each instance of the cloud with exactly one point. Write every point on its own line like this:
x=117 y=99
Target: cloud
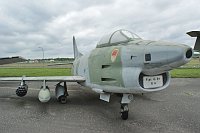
x=50 y=24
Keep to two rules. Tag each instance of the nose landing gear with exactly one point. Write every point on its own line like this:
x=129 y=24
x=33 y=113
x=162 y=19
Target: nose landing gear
x=126 y=98
x=124 y=111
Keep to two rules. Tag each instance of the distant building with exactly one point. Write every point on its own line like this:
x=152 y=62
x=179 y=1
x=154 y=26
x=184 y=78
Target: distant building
x=33 y=61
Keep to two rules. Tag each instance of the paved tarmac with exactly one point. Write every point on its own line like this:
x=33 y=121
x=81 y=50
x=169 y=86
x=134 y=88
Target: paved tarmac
x=175 y=109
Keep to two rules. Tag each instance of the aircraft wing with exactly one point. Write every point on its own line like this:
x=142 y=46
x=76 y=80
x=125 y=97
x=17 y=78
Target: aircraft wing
x=9 y=60
x=44 y=93
x=46 y=78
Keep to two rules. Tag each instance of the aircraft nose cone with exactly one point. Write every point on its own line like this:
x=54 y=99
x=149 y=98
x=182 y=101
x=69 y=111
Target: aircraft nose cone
x=165 y=56
x=184 y=53
x=179 y=53
x=164 y=52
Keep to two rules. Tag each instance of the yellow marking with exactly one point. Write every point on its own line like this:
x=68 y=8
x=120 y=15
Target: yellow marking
x=188 y=93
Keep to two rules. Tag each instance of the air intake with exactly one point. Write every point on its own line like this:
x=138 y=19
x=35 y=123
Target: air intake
x=188 y=53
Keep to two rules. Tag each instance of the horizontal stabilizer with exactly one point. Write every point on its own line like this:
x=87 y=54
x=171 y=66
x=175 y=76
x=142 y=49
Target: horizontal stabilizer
x=195 y=34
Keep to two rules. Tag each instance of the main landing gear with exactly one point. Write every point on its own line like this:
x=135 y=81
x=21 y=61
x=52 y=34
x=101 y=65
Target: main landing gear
x=126 y=98
x=63 y=98
x=61 y=93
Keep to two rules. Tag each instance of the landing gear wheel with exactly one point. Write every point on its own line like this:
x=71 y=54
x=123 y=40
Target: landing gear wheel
x=63 y=99
x=124 y=111
x=124 y=115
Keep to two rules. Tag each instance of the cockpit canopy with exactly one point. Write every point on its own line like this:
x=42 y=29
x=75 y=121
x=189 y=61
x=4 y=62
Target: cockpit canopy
x=119 y=36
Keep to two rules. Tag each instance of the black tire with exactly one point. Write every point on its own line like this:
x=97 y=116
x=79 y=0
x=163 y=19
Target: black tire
x=63 y=99
x=124 y=115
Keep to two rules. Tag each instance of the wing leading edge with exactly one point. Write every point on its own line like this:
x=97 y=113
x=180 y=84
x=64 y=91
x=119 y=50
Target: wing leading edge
x=46 y=78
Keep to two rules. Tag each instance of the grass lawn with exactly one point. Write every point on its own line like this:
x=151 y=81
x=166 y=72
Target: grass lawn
x=11 y=72
x=186 y=73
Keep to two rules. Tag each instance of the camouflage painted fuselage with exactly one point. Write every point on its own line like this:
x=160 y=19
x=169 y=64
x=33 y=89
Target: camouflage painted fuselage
x=122 y=68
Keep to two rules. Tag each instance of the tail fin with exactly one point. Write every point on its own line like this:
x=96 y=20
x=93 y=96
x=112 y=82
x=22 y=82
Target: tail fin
x=76 y=52
x=195 y=34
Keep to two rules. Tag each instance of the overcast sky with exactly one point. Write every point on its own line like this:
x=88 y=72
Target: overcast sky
x=26 y=25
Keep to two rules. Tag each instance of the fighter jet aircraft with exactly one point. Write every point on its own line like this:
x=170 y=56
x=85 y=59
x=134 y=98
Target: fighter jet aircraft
x=121 y=63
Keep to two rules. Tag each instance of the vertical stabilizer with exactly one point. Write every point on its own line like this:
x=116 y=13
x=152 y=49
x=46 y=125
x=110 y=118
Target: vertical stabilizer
x=76 y=52
x=195 y=34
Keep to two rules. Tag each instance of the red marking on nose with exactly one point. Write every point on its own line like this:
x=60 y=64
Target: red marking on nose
x=114 y=53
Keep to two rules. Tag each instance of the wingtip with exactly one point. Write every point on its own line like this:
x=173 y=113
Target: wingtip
x=193 y=33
